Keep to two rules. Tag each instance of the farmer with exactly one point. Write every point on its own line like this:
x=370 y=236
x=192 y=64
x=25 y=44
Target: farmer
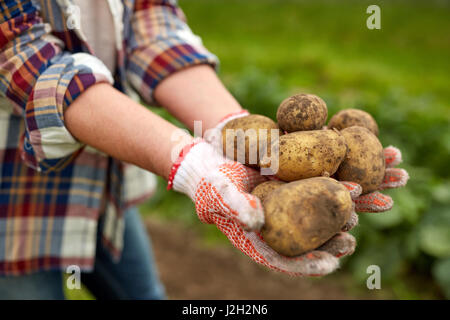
x=77 y=149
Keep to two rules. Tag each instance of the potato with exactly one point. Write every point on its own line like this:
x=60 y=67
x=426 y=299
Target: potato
x=302 y=215
x=302 y=112
x=306 y=154
x=262 y=190
x=353 y=117
x=253 y=123
x=364 y=162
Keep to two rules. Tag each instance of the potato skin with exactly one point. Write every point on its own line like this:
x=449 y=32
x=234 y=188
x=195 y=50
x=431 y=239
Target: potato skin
x=302 y=215
x=262 y=190
x=306 y=154
x=364 y=162
x=353 y=117
x=254 y=122
x=302 y=112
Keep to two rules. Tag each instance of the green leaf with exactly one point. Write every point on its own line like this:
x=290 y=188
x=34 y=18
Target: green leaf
x=441 y=193
x=387 y=254
x=384 y=220
x=441 y=272
x=434 y=234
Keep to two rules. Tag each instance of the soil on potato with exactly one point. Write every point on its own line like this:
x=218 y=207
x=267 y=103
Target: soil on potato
x=190 y=269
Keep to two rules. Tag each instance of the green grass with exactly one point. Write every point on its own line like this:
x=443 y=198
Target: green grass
x=325 y=45
x=270 y=49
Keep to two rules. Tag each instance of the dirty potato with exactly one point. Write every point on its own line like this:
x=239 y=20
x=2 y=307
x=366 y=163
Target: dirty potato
x=243 y=137
x=306 y=154
x=364 y=162
x=263 y=189
x=302 y=215
x=353 y=117
x=302 y=112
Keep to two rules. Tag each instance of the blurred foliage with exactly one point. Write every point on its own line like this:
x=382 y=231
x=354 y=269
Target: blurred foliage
x=270 y=49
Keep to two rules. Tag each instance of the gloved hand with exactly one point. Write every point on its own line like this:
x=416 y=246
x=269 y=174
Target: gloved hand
x=220 y=190
x=393 y=178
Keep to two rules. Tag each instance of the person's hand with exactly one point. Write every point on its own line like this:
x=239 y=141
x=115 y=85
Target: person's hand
x=220 y=190
x=393 y=178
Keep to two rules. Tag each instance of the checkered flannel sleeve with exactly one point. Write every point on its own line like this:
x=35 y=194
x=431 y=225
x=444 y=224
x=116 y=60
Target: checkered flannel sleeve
x=41 y=80
x=160 y=43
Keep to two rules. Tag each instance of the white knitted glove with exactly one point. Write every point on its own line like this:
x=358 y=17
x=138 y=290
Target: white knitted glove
x=217 y=185
x=220 y=190
x=377 y=201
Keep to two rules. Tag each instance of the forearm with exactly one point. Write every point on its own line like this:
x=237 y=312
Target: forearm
x=196 y=94
x=109 y=121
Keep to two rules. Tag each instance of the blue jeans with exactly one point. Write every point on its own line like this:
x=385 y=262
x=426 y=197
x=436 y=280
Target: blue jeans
x=134 y=277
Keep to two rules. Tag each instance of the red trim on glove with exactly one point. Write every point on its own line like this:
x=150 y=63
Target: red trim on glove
x=180 y=159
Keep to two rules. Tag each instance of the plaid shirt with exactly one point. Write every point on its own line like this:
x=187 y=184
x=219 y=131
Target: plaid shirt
x=52 y=188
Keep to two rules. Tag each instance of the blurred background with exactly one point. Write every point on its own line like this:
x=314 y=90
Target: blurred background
x=270 y=49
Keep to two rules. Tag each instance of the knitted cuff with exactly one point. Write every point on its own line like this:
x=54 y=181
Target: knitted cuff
x=195 y=161
x=231 y=116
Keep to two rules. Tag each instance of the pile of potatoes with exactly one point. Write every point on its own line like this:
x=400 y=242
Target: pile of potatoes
x=306 y=205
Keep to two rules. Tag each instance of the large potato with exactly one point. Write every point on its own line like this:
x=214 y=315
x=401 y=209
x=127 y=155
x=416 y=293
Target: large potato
x=302 y=215
x=353 y=117
x=364 y=162
x=306 y=154
x=262 y=190
x=253 y=128
x=302 y=112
